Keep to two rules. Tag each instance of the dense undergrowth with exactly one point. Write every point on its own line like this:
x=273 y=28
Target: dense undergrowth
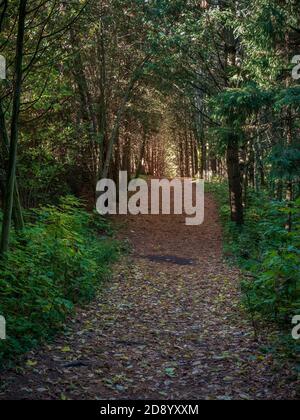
x=59 y=261
x=269 y=255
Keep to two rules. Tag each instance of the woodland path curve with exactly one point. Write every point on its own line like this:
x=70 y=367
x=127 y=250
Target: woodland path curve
x=168 y=326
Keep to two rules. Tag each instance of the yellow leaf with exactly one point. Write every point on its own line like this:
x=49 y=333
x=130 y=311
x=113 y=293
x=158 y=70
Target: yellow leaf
x=31 y=363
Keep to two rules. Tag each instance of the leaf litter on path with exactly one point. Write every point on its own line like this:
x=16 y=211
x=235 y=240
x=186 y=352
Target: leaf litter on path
x=166 y=327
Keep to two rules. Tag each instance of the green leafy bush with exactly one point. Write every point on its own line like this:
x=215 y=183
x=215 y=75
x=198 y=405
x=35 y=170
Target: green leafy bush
x=268 y=253
x=42 y=179
x=60 y=261
x=274 y=290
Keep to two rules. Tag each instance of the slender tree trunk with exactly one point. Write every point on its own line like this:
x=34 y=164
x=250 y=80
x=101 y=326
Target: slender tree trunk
x=17 y=208
x=115 y=131
x=235 y=176
x=102 y=100
x=181 y=156
x=203 y=168
x=116 y=128
x=235 y=184
x=213 y=165
x=187 y=154
x=81 y=81
x=6 y=226
x=126 y=161
x=289 y=187
x=193 y=154
x=87 y=110
x=142 y=154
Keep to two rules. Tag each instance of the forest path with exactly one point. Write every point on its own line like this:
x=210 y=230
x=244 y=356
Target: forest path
x=168 y=326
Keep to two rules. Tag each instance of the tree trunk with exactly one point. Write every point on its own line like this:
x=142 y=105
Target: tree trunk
x=181 y=156
x=115 y=131
x=187 y=154
x=142 y=155
x=203 y=168
x=196 y=160
x=235 y=182
x=17 y=208
x=87 y=109
x=213 y=165
x=102 y=100
x=10 y=190
x=235 y=176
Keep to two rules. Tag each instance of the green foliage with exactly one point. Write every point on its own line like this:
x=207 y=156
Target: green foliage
x=262 y=30
x=289 y=97
x=41 y=177
x=60 y=261
x=234 y=108
x=235 y=105
x=285 y=161
x=274 y=261
x=268 y=253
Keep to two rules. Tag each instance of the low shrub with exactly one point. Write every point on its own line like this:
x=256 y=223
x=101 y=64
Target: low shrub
x=61 y=260
x=268 y=253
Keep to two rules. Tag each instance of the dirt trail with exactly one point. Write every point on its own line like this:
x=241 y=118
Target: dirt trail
x=168 y=326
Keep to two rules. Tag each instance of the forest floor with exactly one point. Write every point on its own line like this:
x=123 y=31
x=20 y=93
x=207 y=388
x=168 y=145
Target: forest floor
x=168 y=326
